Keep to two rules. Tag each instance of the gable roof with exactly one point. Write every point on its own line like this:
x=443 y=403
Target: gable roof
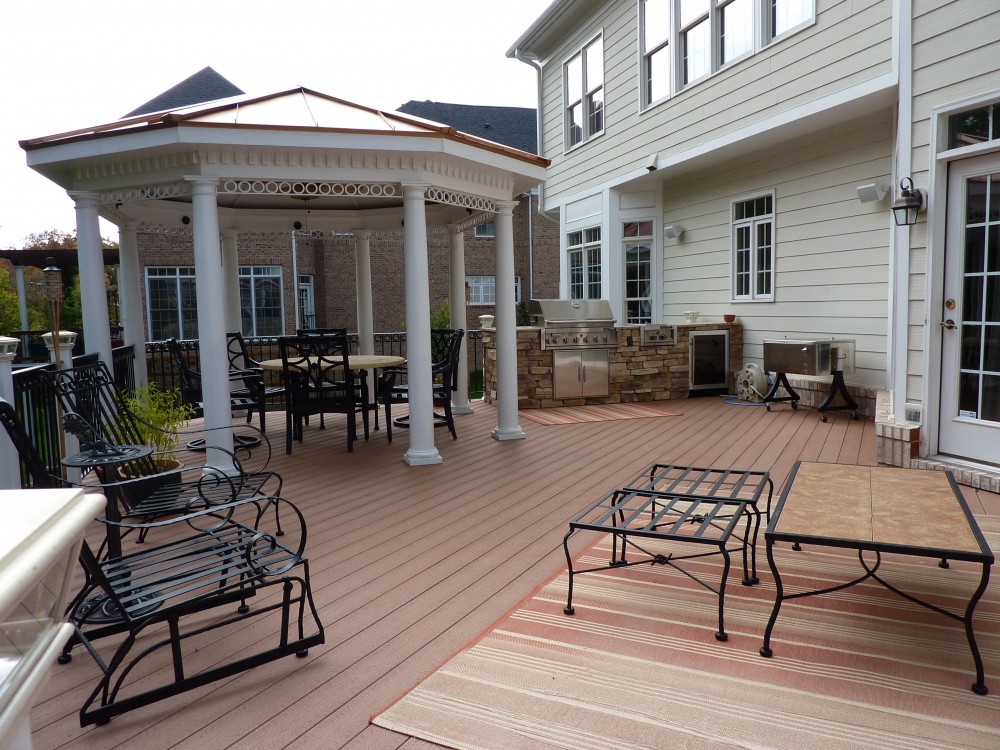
x=511 y=126
x=204 y=86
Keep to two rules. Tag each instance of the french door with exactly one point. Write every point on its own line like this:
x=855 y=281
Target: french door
x=970 y=316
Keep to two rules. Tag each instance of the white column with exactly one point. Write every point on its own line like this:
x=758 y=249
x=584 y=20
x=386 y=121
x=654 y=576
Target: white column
x=93 y=287
x=10 y=477
x=231 y=276
x=22 y=298
x=211 y=320
x=507 y=427
x=456 y=274
x=418 y=329
x=363 y=295
x=363 y=291
x=130 y=295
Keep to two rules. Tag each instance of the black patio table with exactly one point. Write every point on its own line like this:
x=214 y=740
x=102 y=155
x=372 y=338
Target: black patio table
x=631 y=515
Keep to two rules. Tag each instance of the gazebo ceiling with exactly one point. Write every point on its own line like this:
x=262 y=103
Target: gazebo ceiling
x=293 y=156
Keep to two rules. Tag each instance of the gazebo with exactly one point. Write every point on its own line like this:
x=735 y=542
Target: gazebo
x=250 y=164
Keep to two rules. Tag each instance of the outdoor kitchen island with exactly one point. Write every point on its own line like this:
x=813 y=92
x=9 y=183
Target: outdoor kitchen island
x=644 y=363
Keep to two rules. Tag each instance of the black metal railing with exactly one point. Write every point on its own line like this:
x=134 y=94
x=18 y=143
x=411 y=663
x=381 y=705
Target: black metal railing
x=35 y=399
x=163 y=371
x=35 y=404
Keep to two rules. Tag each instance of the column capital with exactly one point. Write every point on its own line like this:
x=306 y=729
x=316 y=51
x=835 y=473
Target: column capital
x=505 y=207
x=362 y=234
x=203 y=185
x=230 y=233
x=412 y=189
x=84 y=198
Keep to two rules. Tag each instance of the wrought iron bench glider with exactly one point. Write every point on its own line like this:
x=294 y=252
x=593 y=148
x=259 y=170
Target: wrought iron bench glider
x=157 y=595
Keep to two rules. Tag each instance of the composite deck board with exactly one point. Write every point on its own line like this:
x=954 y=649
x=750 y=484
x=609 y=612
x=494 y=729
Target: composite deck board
x=411 y=563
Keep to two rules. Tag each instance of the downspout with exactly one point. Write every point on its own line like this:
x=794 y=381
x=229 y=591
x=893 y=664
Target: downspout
x=899 y=259
x=295 y=281
x=518 y=55
x=531 y=254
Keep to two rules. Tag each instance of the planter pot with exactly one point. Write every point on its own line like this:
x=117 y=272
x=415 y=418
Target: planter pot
x=729 y=318
x=486 y=321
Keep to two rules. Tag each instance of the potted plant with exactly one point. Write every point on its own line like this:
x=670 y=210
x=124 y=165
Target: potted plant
x=159 y=414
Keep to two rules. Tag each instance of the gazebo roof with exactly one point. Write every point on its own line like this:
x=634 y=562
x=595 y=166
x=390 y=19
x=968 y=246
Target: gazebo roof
x=271 y=153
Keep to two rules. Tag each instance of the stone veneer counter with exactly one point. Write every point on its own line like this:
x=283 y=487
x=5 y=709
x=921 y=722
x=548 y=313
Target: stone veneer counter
x=637 y=373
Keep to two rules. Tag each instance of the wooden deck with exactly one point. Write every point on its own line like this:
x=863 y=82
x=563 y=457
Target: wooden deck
x=411 y=563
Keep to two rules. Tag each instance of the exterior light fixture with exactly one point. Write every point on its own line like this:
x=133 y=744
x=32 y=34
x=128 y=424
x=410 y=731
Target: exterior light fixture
x=673 y=231
x=906 y=207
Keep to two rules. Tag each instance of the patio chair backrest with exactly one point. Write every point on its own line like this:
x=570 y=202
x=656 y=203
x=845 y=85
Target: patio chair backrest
x=321 y=332
x=38 y=475
x=90 y=391
x=315 y=365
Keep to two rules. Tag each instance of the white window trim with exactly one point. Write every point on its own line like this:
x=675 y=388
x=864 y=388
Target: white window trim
x=761 y=35
x=752 y=297
x=583 y=248
x=481 y=286
x=581 y=53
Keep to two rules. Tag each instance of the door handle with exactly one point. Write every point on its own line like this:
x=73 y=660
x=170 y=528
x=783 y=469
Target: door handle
x=948 y=324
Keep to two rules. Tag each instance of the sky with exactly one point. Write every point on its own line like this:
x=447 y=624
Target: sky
x=66 y=64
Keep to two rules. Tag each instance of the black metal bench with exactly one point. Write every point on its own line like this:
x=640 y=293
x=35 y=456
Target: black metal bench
x=210 y=557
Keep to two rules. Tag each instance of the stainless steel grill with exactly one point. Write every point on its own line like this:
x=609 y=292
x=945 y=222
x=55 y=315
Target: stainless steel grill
x=574 y=323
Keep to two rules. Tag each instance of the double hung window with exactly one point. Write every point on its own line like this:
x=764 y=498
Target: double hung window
x=637 y=244
x=683 y=41
x=307 y=301
x=583 y=75
x=753 y=248
x=483 y=290
x=584 y=249
x=171 y=302
x=260 y=301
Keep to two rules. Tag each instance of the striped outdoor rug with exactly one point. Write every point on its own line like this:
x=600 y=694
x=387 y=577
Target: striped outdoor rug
x=602 y=413
x=638 y=665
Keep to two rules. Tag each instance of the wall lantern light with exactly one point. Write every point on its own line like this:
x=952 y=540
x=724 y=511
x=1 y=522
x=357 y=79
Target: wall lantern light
x=906 y=207
x=673 y=231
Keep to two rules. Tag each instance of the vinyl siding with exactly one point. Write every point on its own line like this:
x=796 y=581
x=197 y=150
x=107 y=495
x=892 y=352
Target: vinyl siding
x=850 y=43
x=831 y=260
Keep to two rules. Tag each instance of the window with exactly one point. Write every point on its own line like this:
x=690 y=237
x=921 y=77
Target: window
x=485 y=229
x=261 y=301
x=974 y=126
x=656 y=49
x=483 y=290
x=307 y=302
x=753 y=248
x=584 y=80
x=172 y=303
x=638 y=241
x=702 y=36
x=584 y=249
x=787 y=14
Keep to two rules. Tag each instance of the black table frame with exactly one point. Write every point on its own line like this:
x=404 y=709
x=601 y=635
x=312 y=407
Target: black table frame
x=629 y=513
x=985 y=558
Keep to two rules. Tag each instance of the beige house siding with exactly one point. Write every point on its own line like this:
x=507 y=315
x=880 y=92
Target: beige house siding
x=956 y=57
x=831 y=261
x=849 y=44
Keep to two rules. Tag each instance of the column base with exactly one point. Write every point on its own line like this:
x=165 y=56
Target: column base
x=508 y=433
x=461 y=408
x=422 y=458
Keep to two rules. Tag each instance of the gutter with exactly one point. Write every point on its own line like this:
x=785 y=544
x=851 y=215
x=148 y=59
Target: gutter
x=517 y=54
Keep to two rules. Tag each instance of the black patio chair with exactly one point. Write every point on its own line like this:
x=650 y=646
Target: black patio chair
x=249 y=395
x=89 y=392
x=446 y=346
x=254 y=384
x=216 y=560
x=319 y=380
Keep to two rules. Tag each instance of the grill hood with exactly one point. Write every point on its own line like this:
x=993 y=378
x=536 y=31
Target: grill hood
x=555 y=312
